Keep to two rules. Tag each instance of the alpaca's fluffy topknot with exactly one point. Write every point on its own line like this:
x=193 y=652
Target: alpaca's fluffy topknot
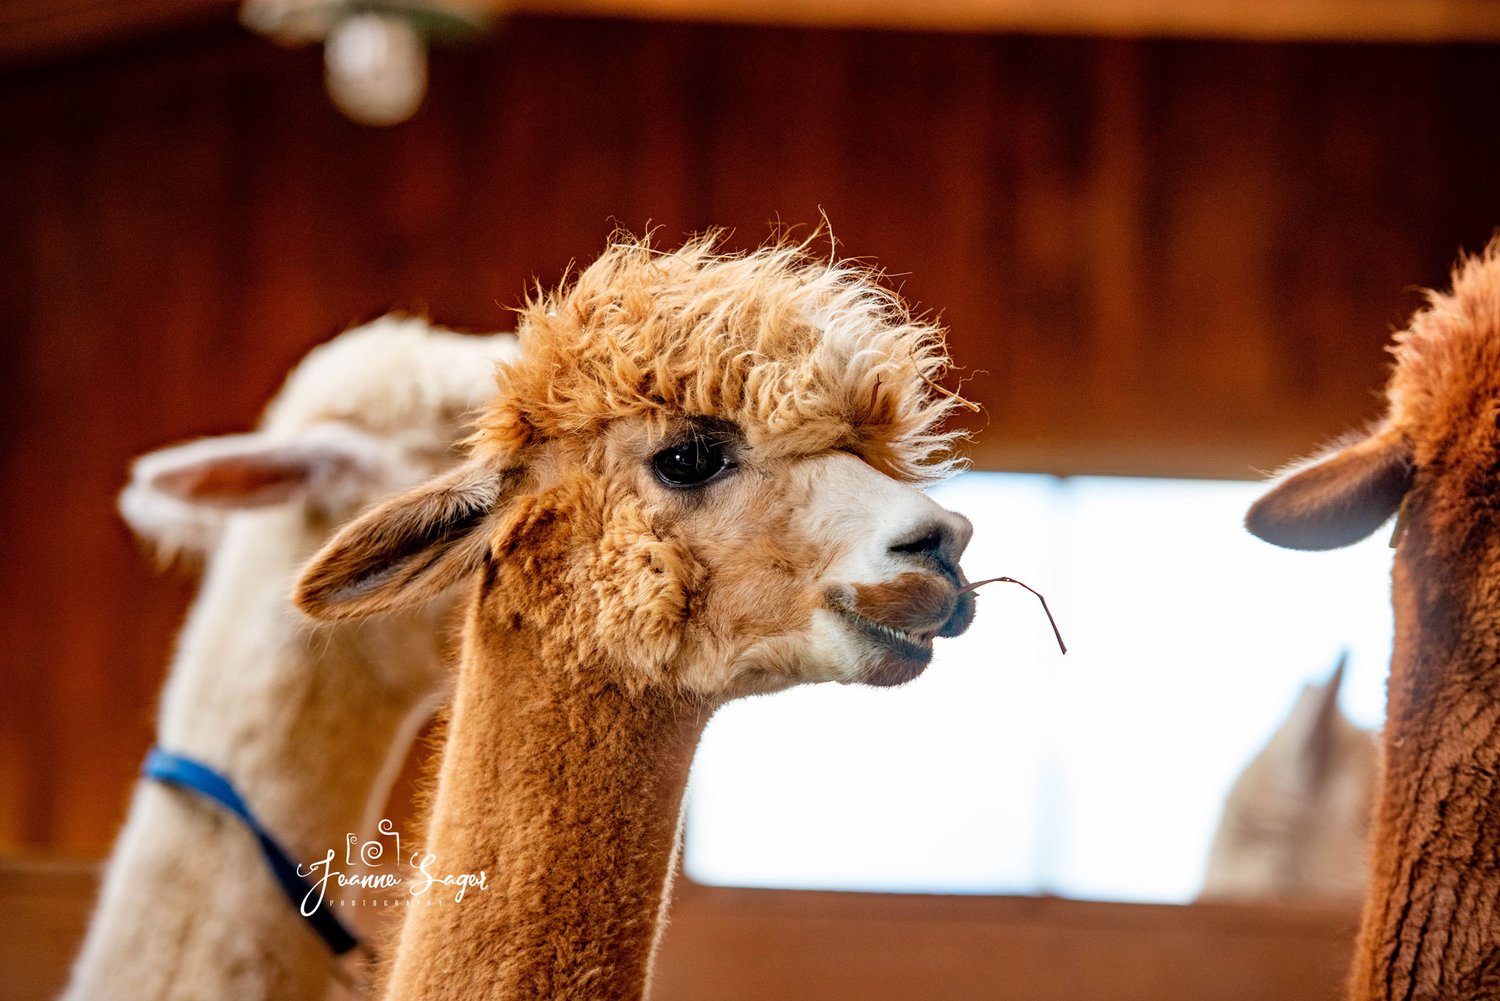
x=804 y=355
x=1448 y=359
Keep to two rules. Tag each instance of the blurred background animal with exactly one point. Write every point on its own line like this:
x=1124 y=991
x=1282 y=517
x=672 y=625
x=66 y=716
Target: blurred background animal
x=1296 y=822
x=309 y=723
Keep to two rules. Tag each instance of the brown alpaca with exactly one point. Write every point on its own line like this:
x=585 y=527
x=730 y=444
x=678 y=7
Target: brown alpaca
x=696 y=483
x=1431 y=926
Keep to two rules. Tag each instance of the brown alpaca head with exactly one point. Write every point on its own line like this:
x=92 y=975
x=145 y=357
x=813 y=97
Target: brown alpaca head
x=1428 y=930
x=699 y=473
x=1435 y=451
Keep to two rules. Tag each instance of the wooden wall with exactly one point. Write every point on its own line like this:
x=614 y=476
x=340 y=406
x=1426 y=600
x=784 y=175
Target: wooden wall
x=1161 y=257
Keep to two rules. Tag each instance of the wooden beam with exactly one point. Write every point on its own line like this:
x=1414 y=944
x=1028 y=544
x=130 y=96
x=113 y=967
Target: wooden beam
x=46 y=903
x=765 y=945
x=1264 y=20
x=35 y=30
x=760 y=945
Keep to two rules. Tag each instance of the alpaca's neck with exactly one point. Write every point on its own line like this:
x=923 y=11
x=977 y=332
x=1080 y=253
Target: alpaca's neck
x=1431 y=927
x=302 y=718
x=566 y=791
x=310 y=732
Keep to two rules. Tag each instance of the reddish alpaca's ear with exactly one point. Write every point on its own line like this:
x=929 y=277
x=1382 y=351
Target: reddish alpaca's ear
x=406 y=550
x=1338 y=501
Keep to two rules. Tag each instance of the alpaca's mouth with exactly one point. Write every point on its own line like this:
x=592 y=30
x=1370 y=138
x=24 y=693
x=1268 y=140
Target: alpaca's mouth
x=904 y=643
x=903 y=655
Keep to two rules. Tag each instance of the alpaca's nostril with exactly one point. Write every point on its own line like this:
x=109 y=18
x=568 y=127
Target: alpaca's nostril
x=941 y=540
x=928 y=541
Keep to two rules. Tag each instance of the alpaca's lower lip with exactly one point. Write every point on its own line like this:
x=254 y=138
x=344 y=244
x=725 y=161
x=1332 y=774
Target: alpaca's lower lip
x=892 y=670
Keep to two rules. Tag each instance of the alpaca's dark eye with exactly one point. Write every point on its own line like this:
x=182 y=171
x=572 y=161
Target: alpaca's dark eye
x=690 y=463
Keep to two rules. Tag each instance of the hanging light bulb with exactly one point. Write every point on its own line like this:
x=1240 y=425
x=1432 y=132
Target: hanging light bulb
x=375 y=67
x=374 y=51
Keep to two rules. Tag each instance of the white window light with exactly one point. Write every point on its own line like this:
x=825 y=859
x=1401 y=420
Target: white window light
x=1007 y=768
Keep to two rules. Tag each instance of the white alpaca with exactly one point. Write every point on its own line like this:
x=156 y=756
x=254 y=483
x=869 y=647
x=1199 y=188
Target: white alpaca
x=1296 y=823
x=310 y=724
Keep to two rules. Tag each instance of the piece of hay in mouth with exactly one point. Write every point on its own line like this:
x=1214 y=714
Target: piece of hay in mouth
x=1011 y=580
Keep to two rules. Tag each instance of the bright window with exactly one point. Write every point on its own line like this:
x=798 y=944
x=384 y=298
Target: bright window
x=1008 y=768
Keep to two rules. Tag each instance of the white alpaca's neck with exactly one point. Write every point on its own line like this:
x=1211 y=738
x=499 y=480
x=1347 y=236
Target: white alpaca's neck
x=309 y=725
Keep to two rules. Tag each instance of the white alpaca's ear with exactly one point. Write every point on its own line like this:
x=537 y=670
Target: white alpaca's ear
x=1338 y=500
x=408 y=549
x=1309 y=736
x=178 y=496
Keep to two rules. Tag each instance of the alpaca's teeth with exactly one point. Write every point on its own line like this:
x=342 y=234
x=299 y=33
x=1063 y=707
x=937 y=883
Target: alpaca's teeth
x=896 y=637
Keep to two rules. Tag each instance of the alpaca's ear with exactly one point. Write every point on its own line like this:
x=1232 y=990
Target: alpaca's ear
x=177 y=496
x=407 y=549
x=1311 y=732
x=1338 y=500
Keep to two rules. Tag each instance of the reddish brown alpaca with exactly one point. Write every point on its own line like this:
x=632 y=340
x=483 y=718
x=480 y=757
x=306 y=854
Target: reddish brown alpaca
x=695 y=484
x=1431 y=927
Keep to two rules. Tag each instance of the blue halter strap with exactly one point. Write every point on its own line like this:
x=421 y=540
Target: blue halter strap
x=185 y=773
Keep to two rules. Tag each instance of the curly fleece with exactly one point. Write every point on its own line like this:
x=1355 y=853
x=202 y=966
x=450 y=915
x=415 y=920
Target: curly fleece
x=805 y=355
